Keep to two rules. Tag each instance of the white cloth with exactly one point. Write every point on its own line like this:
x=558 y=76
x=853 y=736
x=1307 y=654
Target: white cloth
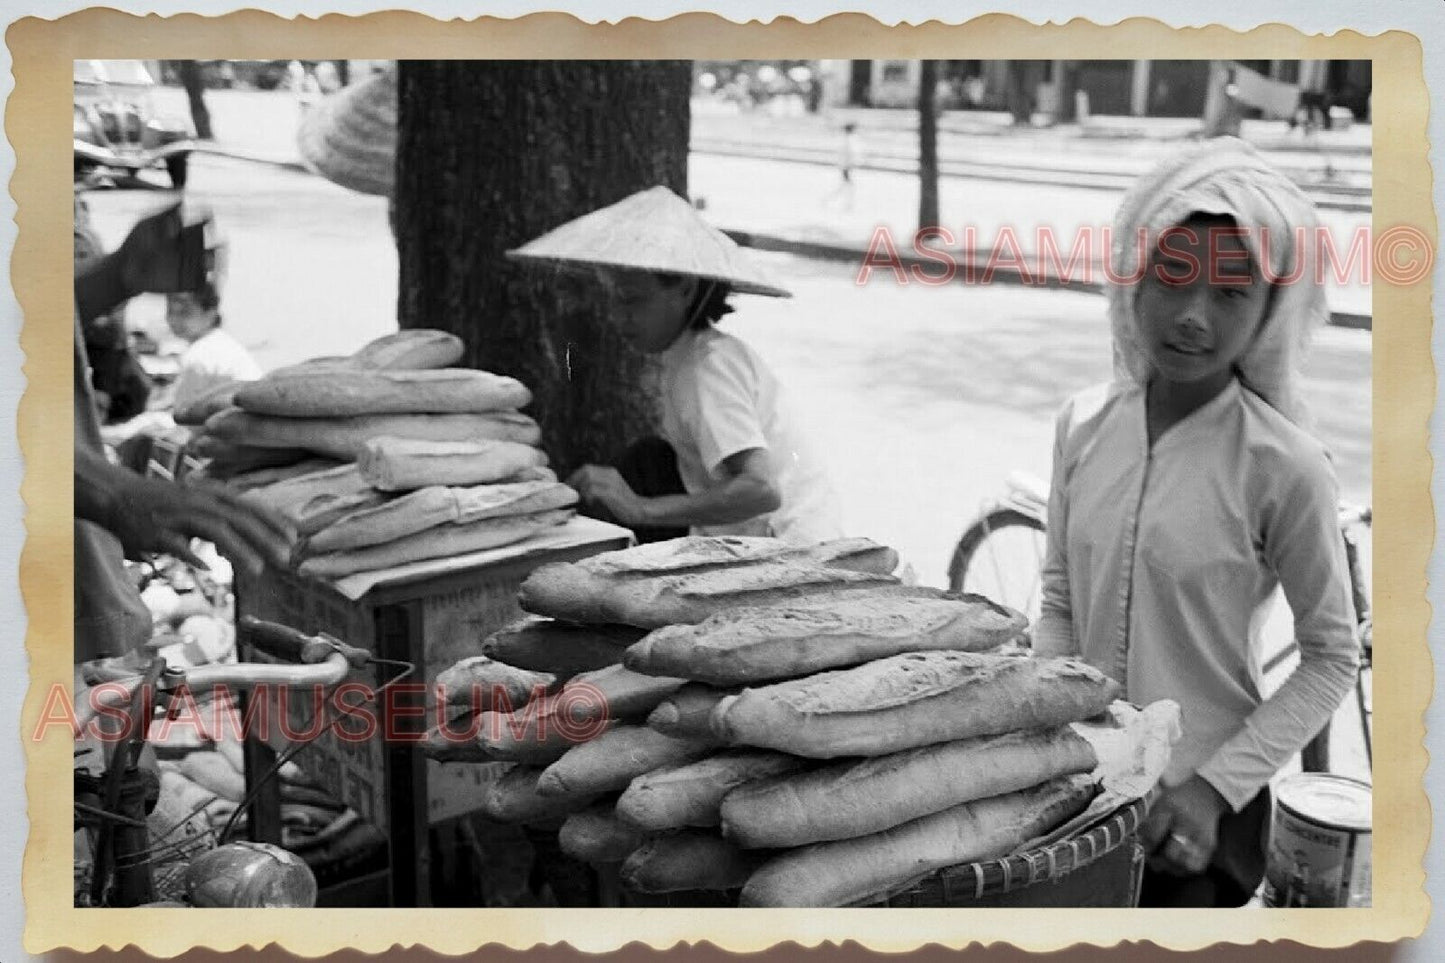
x=1161 y=566
x=719 y=399
x=1227 y=176
x=212 y=358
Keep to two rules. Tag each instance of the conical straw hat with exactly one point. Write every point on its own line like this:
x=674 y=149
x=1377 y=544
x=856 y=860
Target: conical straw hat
x=653 y=230
x=350 y=137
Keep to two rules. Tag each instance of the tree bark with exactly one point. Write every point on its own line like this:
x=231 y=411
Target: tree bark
x=189 y=72
x=928 y=144
x=491 y=154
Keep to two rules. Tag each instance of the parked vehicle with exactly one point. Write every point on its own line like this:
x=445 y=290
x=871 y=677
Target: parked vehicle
x=118 y=127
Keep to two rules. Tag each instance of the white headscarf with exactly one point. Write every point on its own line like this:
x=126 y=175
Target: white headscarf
x=1227 y=176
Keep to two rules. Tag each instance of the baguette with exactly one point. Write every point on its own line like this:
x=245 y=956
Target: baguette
x=596 y=835
x=852 y=871
x=867 y=796
x=400 y=464
x=345 y=438
x=910 y=700
x=687 y=712
x=615 y=692
x=688 y=861
x=441 y=542
x=261 y=477
x=534 y=735
x=691 y=794
x=345 y=393
x=430 y=507
x=568 y=591
x=217 y=397
x=481 y=684
x=562 y=648
x=513 y=798
x=762 y=645
x=412 y=349
x=616 y=757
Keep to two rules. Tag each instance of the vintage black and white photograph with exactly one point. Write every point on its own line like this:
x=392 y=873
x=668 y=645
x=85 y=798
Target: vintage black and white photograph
x=724 y=483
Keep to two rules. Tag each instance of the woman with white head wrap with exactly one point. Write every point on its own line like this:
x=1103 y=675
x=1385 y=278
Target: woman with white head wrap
x=1188 y=490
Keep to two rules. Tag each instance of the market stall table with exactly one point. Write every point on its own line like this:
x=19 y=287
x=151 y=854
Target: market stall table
x=430 y=614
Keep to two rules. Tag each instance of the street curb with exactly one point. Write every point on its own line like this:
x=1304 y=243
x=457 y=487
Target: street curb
x=1003 y=274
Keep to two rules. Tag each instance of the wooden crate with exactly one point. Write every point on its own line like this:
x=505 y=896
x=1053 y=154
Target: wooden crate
x=431 y=615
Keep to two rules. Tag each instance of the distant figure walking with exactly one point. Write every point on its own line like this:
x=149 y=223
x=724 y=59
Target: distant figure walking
x=848 y=159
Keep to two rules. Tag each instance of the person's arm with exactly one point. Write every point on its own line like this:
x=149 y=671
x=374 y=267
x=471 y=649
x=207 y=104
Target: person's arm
x=159 y=255
x=1053 y=635
x=149 y=516
x=1304 y=547
x=747 y=491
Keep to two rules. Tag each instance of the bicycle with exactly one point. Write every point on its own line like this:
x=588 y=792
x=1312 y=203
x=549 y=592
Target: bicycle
x=111 y=806
x=1001 y=554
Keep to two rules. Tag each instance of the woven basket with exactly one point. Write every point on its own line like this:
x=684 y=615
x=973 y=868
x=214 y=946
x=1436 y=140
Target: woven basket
x=1112 y=866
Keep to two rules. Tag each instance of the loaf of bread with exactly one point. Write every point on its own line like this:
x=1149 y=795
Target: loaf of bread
x=909 y=700
x=589 y=590
x=687 y=712
x=402 y=464
x=261 y=477
x=616 y=757
x=513 y=799
x=343 y=393
x=569 y=591
x=480 y=684
x=597 y=835
x=691 y=794
x=345 y=438
x=444 y=541
x=226 y=459
x=785 y=641
x=866 y=796
x=615 y=692
x=429 y=507
x=217 y=397
x=687 y=861
x=536 y=734
x=315 y=499
x=562 y=648
x=865 y=868
x=412 y=349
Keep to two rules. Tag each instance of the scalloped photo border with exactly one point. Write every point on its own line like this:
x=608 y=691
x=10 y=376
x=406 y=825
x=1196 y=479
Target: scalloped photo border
x=1403 y=395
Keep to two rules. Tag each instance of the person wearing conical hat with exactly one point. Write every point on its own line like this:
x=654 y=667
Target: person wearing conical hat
x=744 y=464
x=1188 y=491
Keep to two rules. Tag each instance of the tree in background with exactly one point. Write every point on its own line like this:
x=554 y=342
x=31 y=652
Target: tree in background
x=928 y=144
x=491 y=154
x=191 y=74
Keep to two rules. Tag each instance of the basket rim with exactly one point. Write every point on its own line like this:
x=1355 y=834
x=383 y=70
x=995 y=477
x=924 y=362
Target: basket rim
x=1005 y=874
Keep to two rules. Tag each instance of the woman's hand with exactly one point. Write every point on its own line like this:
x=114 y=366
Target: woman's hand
x=1182 y=831
x=602 y=486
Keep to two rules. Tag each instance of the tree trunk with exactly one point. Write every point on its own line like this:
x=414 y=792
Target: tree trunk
x=928 y=144
x=491 y=154
x=189 y=72
x=1222 y=114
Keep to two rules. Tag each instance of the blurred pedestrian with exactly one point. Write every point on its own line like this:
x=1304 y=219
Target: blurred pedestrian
x=848 y=159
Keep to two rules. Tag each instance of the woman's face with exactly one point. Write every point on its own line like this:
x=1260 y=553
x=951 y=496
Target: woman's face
x=1201 y=301
x=648 y=311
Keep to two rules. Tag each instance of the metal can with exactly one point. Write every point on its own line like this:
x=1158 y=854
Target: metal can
x=1319 y=849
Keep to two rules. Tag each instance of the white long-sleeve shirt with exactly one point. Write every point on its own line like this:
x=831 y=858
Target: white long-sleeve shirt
x=1161 y=562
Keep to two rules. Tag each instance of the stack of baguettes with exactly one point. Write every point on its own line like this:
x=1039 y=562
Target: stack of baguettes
x=796 y=724
x=387 y=457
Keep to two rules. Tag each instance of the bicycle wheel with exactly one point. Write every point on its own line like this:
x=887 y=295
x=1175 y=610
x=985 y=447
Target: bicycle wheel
x=1001 y=557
